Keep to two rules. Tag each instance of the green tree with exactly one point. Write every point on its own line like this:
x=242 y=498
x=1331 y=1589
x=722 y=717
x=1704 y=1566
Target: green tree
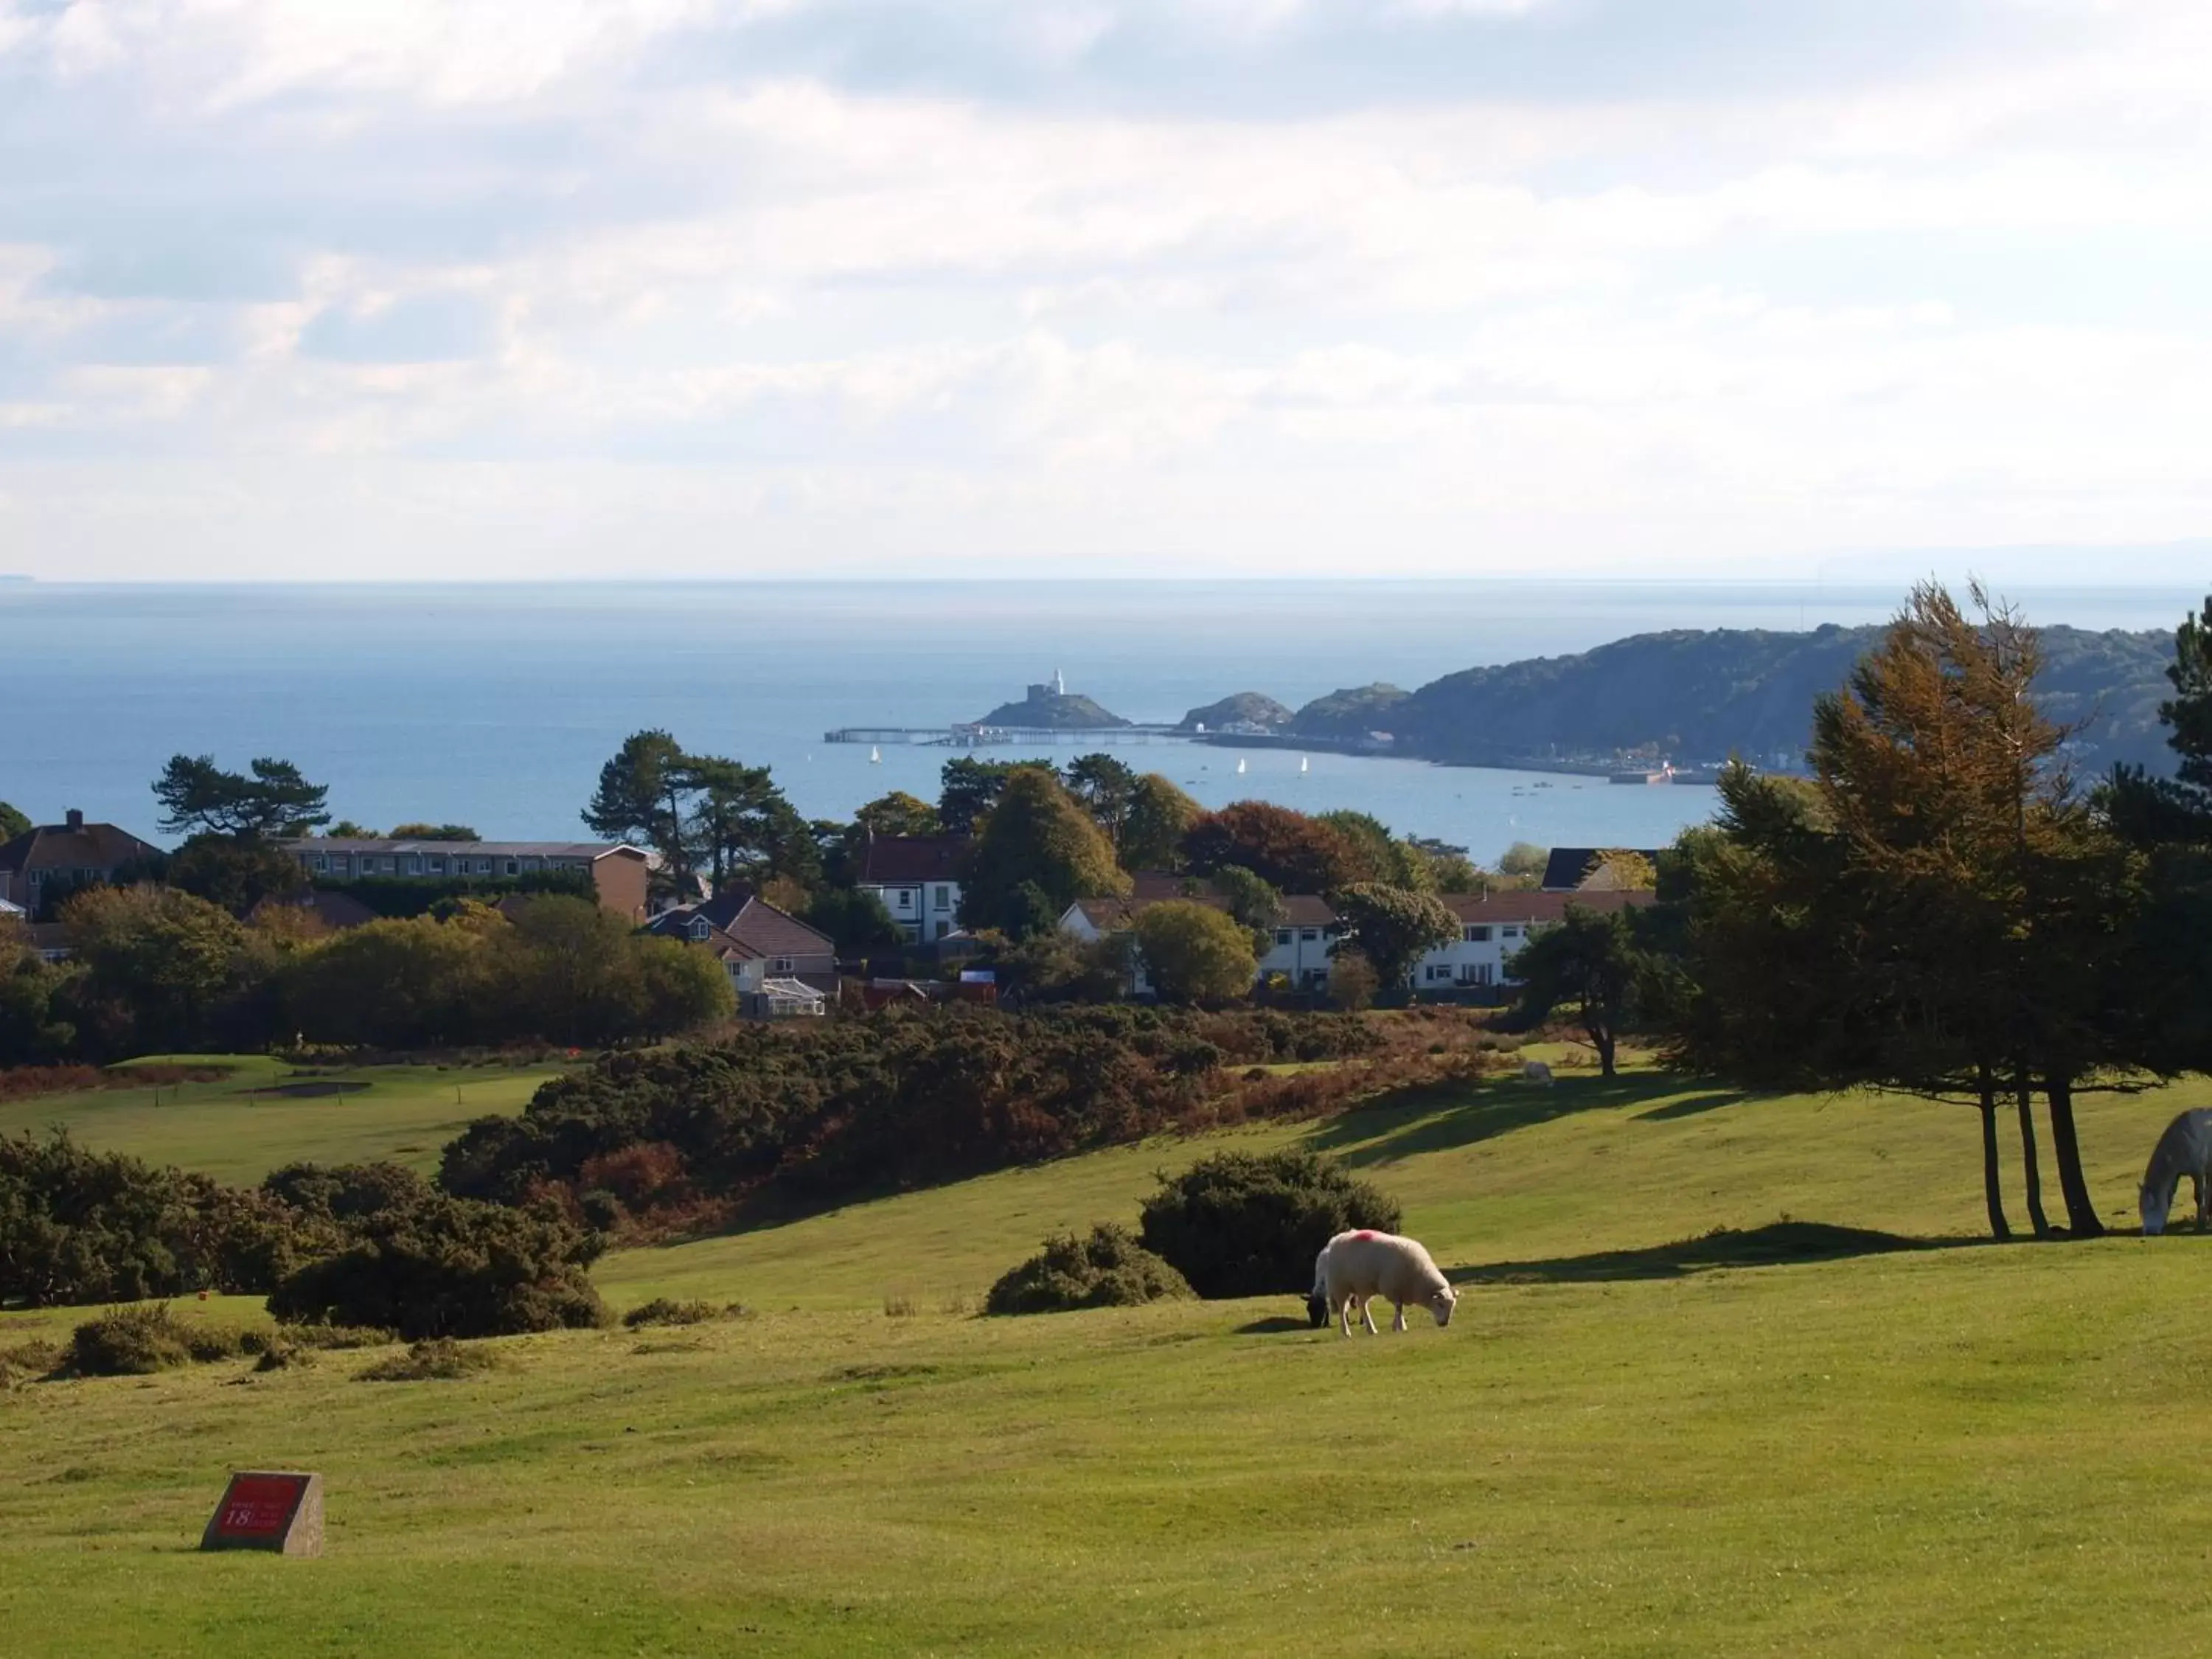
x=12 y=823
x=1443 y=868
x=411 y=983
x=739 y=827
x=1104 y=788
x=899 y=814
x=1159 y=816
x=857 y=922
x=271 y=800
x=1590 y=963
x=35 y=1028
x=678 y=989
x=1257 y=906
x=1352 y=981
x=1524 y=863
x=429 y=832
x=347 y=829
x=160 y=966
x=1393 y=927
x=235 y=874
x=1193 y=952
x=1376 y=855
x=1035 y=839
x=972 y=788
x=643 y=798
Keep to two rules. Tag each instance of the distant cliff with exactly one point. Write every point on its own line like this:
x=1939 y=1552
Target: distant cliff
x=1245 y=708
x=1699 y=696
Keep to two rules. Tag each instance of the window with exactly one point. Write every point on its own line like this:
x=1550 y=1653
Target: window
x=414 y=864
x=944 y=898
x=513 y=868
x=1475 y=935
x=906 y=898
x=785 y=965
x=1309 y=934
x=943 y=928
x=437 y=866
x=1509 y=932
x=1283 y=936
x=699 y=927
x=484 y=866
x=319 y=862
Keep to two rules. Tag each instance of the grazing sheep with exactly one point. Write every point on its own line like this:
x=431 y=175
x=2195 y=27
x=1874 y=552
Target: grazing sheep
x=1536 y=1072
x=1355 y=1267
x=2185 y=1149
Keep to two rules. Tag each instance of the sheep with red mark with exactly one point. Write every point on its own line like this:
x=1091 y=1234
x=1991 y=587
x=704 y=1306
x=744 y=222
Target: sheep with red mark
x=1355 y=1267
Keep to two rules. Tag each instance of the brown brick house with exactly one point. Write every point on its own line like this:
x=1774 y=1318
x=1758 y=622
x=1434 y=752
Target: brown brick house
x=55 y=859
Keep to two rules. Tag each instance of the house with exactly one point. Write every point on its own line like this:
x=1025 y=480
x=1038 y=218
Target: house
x=51 y=940
x=53 y=860
x=1569 y=868
x=1493 y=927
x=756 y=944
x=917 y=879
x=618 y=872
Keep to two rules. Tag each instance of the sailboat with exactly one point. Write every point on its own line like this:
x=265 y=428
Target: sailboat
x=1304 y=765
x=875 y=756
x=1240 y=766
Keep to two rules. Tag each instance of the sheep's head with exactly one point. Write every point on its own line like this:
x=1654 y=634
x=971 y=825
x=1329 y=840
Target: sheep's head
x=1317 y=1309
x=1441 y=1303
x=2154 y=1204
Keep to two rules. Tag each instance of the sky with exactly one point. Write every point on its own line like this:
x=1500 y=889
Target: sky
x=538 y=289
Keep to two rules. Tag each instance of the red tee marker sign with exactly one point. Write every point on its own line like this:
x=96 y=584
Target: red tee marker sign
x=269 y=1509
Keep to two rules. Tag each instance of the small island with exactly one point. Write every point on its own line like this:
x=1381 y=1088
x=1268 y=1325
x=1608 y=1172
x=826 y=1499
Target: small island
x=1245 y=712
x=1052 y=706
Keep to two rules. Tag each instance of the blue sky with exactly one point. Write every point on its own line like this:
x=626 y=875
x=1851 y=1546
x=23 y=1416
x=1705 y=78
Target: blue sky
x=541 y=289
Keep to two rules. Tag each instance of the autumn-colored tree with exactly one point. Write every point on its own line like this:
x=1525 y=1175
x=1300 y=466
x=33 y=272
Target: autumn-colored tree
x=1194 y=952
x=1290 y=851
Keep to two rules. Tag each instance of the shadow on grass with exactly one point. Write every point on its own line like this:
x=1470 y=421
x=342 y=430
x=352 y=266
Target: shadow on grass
x=1779 y=1243
x=1273 y=1326
x=1439 y=1117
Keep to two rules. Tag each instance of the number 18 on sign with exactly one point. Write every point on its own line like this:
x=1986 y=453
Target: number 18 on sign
x=279 y=1510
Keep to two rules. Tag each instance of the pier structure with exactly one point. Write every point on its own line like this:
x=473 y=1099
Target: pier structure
x=985 y=737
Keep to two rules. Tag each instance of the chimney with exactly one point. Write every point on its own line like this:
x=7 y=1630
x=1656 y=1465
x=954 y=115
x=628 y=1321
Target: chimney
x=75 y=817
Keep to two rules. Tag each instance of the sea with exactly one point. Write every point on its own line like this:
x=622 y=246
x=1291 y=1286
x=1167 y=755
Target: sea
x=494 y=705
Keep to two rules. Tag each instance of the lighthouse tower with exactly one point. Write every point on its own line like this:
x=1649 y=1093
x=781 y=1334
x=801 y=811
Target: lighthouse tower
x=1059 y=683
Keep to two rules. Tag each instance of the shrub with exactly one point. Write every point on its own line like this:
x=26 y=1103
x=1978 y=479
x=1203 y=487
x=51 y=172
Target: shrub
x=136 y=1341
x=1110 y=1269
x=283 y=1356
x=662 y=1311
x=439 y=1359
x=1241 y=1224
x=451 y=1267
x=28 y=1361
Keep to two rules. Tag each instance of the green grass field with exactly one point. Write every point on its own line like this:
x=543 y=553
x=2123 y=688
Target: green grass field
x=239 y=1130
x=1634 y=1439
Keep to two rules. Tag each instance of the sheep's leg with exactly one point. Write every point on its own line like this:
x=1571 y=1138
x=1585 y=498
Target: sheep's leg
x=1399 y=1324
x=1367 y=1313
x=2198 y=1181
x=1346 y=1310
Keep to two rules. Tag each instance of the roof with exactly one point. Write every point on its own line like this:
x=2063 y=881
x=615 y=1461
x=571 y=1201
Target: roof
x=490 y=849
x=1568 y=868
x=74 y=847
x=750 y=924
x=10 y=909
x=890 y=858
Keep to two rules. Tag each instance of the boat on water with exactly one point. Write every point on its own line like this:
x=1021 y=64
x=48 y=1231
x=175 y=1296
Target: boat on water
x=1240 y=767
x=1305 y=765
x=875 y=756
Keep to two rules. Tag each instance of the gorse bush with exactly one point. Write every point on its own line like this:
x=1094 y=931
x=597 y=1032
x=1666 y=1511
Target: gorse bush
x=438 y=1359
x=662 y=1311
x=448 y=1268
x=1243 y=1224
x=140 y=1340
x=900 y=1099
x=1110 y=1269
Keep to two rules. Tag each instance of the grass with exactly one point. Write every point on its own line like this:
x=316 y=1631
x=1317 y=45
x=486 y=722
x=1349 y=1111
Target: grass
x=1842 y=1427
x=237 y=1130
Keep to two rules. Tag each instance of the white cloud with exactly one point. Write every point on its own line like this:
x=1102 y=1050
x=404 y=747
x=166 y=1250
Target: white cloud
x=1011 y=277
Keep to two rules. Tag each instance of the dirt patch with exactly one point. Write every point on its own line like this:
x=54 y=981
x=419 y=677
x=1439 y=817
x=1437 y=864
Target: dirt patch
x=319 y=1089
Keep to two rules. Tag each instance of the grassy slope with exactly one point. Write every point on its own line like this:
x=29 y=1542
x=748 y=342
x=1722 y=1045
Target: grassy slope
x=407 y=1113
x=1956 y=1450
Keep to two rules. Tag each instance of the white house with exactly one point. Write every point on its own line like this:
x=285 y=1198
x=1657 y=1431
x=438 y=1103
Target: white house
x=1493 y=927
x=917 y=877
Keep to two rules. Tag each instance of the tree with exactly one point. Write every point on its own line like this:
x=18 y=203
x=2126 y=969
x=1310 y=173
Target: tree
x=1193 y=952
x=12 y=823
x=198 y=798
x=347 y=829
x=899 y=814
x=1038 y=853
x=1159 y=816
x=857 y=922
x=972 y=788
x=34 y=1030
x=1104 y=788
x=1287 y=850
x=1620 y=870
x=1589 y=962
x=739 y=825
x=1393 y=927
x=1352 y=981
x=641 y=799
x=1447 y=869
x=1524 y=862
x=431 y=832
x=159 y=966
x=1376 y=855
x=1257 y=907
x=235 y=874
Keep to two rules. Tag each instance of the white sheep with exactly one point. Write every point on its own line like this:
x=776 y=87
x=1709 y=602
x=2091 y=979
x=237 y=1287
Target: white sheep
x=1355 y=1267
x=1537 y=1072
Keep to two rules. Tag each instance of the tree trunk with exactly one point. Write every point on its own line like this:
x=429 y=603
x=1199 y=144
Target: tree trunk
x=2035 y=1215
x=1992 y=1188
x=1601 y=1038
x=2080 y=1212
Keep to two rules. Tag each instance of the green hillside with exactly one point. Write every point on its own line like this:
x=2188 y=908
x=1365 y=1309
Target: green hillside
x=1844 y=1427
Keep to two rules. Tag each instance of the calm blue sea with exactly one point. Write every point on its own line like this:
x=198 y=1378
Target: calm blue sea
x=494 y=705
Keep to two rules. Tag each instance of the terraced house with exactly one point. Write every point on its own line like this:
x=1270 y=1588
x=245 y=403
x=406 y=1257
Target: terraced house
x=46 y=864
x=618 y=872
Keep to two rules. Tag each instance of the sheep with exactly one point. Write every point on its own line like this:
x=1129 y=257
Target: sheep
x=1537 y=1072
x=1355 y=1267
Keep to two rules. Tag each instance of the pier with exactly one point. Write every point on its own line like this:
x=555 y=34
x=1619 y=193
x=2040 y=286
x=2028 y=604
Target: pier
x=985 y=737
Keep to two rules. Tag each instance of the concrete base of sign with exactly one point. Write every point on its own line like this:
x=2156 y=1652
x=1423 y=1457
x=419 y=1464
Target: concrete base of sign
x=280 y=1511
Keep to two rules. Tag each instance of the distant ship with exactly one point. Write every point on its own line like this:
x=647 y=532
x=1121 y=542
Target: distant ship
x=875 y=756
x=1305 y=766
x=1240 y=767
